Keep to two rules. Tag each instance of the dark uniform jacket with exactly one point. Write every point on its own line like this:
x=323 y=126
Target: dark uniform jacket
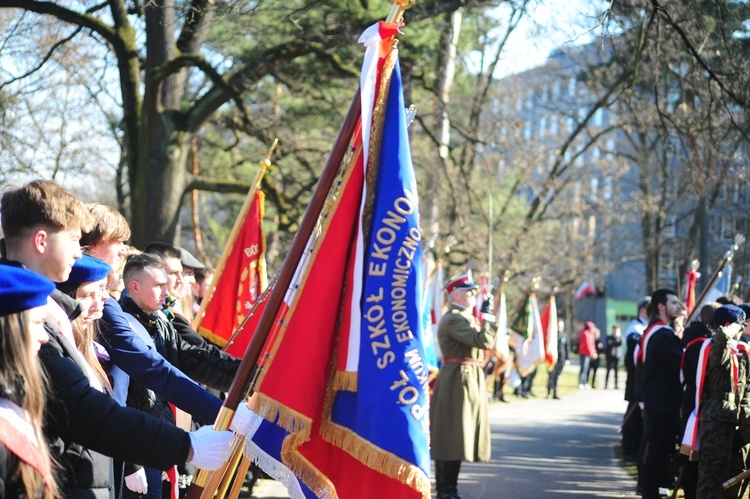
x=207 y=365
x=632 y=339
x=662 y=390
x=11 y=486
x=131 y=358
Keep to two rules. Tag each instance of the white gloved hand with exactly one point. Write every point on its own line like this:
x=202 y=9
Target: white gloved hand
x=243 y=419
x=210 y=447
x=137 y=482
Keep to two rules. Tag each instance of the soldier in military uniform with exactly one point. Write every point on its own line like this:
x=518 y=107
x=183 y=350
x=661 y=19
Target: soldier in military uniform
x=460 y=427
x=724 y=407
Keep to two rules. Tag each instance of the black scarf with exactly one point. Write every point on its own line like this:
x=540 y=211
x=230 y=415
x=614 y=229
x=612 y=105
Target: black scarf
x=157 y=327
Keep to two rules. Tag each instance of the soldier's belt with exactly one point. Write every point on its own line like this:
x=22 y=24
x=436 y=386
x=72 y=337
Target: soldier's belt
x=727 y=396
x=463 y=362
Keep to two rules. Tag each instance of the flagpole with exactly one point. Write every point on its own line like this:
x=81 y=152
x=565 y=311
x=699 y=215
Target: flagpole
x=739 y=239
x=489 y=242
x=534 y=284
x=264 y=166
x=309 y=220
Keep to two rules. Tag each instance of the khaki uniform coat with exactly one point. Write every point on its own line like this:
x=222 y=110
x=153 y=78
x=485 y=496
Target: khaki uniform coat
x=459 y=423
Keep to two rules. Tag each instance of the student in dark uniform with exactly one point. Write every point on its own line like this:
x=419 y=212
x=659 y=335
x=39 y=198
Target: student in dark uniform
x=662 y=391
x=25 y=464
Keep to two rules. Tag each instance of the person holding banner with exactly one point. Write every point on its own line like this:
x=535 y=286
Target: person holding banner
x=459 y=422
x=724 y=406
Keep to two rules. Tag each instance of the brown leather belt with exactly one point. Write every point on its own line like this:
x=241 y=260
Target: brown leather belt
x=463 y=362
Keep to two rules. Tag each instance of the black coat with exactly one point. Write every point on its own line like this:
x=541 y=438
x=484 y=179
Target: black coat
x=11 y=486
x=662 y=390
x=690 y=366
x=207 y=365
x=85 y=426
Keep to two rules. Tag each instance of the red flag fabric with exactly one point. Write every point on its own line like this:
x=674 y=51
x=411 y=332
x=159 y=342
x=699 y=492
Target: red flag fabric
x=692 y=278
x=549 y=327
x=239 y=285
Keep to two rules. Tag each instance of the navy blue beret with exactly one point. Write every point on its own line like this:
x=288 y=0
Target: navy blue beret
x=728 y=314
x=746 y=308
x=88 y=269
x=22 y=289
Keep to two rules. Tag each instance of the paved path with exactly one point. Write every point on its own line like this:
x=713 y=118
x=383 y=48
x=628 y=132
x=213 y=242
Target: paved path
x=543 y=448
x=552 y=448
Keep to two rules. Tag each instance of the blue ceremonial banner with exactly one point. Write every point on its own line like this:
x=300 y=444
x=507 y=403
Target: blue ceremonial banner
x=389 y=410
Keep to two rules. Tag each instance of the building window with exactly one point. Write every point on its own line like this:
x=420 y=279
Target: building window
x=542 y=127
x=594 y=190
x=527 y=130
x=530 y=99
x=607 y=188
x=545 y=93
x=595 y=153
x=592 y=226
x=553 y=126
x=556 y=90
x=572 y=87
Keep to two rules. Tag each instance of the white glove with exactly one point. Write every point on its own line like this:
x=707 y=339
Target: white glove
x=137 y=482
x=243 y=419
x=210 y=447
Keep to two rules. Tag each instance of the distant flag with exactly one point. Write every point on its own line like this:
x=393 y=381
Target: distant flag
x=549 y=326
x=344 y=396
x=501 y=318
x=528 y=336
x=433 y=306
x=482 y=293
x=239 y=283
x=692 y=277
x=721 y=287
x=585 y=289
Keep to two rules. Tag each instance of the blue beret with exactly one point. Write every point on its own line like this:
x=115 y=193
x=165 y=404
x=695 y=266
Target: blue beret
x=728 y=314
x=746 y=308
x=22 y=289
x=88 y=269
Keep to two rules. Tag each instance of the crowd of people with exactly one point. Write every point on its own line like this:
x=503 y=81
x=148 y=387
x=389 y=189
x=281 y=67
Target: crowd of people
x=88 y=381
x=687 y=423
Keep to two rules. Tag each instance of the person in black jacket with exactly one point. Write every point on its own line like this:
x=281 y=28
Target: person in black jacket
x=42 y=225
x=146 y=283
x=613 y=354
x=25 y=464
x=662 y=391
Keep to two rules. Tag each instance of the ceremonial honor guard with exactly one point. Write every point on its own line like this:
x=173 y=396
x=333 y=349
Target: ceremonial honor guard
x=460 y=427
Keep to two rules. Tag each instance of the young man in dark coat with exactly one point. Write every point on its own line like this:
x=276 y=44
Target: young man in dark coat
x=42 y=225
x=662 y=391
x=146 y=282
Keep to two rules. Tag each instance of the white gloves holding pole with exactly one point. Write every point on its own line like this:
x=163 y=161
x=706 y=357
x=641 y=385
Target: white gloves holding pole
x=210 y=448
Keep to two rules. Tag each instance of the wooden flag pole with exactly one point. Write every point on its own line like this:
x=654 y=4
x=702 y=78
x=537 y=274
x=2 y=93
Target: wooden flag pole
x=264 y=166
x=245 y=371
x=738 y=239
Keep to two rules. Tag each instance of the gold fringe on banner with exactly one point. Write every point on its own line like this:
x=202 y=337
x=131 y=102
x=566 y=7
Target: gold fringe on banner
x=345 y=381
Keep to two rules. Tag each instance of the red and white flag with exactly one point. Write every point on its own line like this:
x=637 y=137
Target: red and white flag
x=549 y=326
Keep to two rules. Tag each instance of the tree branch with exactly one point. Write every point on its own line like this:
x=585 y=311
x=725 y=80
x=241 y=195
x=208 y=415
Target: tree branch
x=83 y=20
